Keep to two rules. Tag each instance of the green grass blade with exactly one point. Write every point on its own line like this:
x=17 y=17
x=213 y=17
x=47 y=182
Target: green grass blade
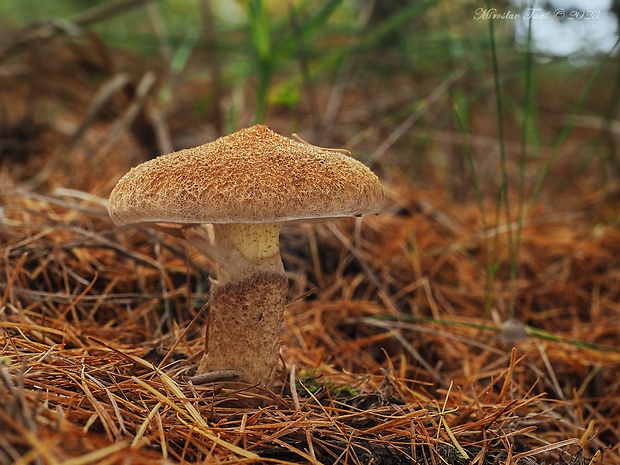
x=503 y=197
x=527 y=108
x=315 y=22
x=569 y=125
x=459 y=115
x=260 y=39
x=399 y=19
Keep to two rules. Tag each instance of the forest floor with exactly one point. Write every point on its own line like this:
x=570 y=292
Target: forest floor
x=406 y=340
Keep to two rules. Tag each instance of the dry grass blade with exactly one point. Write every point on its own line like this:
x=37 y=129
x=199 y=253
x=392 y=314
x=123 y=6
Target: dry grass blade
x=545 y=449
x=191 y=414
x=98 y=456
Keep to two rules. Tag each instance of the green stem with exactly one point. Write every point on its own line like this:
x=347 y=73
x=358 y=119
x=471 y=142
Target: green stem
x=503 y=197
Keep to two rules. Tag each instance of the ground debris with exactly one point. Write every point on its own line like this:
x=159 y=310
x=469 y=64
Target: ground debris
x=396 y=339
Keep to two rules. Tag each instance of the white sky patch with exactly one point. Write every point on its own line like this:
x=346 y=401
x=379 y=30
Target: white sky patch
x=568 y=28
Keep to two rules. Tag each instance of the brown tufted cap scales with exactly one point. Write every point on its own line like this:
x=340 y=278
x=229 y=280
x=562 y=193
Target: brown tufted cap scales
x=251 y=176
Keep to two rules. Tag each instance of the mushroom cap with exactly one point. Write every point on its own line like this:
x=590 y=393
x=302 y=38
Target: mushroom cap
x=251 y=176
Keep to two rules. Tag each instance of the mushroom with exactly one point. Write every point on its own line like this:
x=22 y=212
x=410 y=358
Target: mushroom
x=246 y=185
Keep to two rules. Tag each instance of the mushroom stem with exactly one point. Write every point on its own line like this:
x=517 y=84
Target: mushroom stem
x=247 y=302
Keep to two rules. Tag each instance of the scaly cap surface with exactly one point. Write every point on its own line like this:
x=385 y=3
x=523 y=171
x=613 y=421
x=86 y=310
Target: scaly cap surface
x=251 y=176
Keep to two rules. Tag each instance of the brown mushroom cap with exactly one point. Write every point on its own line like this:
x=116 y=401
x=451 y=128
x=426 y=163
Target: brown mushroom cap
x=251 y=176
